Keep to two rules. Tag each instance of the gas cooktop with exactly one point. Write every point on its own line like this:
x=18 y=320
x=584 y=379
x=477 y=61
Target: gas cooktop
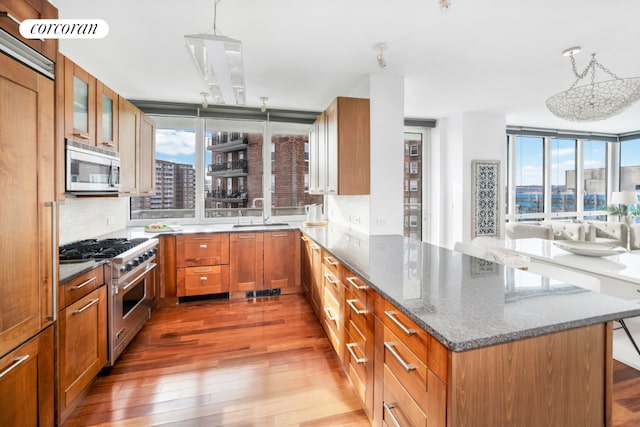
x=86 y=250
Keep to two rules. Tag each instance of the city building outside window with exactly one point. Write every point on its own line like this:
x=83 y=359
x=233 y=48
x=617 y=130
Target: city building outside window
x=563 y=166
x=414 y=150
x=630 y=165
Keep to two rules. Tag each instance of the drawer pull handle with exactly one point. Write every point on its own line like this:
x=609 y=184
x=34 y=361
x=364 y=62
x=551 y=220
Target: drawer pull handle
x=304 y=239
x=391 y=315
x=315 y=247
x=108 y=143
x=203 y=278
x=352 y=280
x=208 y=270
x=202 y=238
x=358 y=311
x=392 y=349
x=330 y=315
x=330 y=279
x=357 y=359
x=330 y=261
x=16 y=362
x=92 y=302
x=83 y=284
x=82 y=135
x=280 y=235
x=247 y=236
x=388 y=408
x=203 y=246
x=11 y=17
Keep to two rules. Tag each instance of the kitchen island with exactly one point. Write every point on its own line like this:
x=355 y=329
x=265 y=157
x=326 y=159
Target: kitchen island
x=491 y=345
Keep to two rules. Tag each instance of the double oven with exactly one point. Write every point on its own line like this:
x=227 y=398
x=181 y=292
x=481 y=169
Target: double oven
x=131 y=284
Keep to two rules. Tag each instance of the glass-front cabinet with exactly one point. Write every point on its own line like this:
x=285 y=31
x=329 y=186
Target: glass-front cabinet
x=80 y=104
x=106 y=117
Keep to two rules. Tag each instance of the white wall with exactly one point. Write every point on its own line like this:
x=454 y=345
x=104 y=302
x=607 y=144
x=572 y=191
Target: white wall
x=88 y=217
x=455 y=143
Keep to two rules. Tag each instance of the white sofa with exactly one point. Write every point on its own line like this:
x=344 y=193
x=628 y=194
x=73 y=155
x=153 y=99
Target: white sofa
x=634 y=242
x=592 y=231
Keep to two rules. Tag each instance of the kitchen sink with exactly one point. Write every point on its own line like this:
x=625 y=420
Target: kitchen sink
x=270 y=224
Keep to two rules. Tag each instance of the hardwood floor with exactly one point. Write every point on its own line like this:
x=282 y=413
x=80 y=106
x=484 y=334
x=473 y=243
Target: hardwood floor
x=263 y=362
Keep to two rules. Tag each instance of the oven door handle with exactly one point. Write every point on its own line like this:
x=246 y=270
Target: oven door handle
x=150 y=267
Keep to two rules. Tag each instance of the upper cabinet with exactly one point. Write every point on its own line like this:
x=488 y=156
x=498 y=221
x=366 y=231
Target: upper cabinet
x=339 y=149
x=13 y=12
x=136 y=136
x=79 y=104
x=90 y=108
x=106 y=117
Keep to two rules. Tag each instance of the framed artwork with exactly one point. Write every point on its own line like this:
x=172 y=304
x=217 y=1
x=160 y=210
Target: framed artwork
x=485 y=198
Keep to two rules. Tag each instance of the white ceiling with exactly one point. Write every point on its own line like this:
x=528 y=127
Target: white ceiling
x=501 y=56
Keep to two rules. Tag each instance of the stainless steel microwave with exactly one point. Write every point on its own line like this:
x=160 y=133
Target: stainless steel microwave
x=90 y=169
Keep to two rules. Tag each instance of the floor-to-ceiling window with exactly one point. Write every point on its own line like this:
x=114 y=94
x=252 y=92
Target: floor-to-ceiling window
x=413 y=183
x=563 y=161
x=529 y=176
x=594 y=166
x=630 y=165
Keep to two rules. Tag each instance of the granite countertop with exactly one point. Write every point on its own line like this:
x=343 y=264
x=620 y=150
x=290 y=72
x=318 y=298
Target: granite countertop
x=466 y=302
x=72 y=270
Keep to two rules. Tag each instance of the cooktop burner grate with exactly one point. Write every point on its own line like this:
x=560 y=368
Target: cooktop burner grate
x=85 y=250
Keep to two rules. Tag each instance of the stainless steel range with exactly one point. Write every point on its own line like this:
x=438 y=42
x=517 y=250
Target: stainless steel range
x=130 y=277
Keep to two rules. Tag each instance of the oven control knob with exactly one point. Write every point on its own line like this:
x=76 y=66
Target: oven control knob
x=145 y=256
x=124 y=268
x=154 y=251
x=134 y=262
x=128 y=266
x=140 y=259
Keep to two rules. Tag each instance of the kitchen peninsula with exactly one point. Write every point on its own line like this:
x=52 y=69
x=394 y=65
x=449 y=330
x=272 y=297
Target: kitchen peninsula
x=457 y=340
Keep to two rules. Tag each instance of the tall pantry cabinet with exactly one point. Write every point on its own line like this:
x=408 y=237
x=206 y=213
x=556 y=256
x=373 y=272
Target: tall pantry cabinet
x=27 y=224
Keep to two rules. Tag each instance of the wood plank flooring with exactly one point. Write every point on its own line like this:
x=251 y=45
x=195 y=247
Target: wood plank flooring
x=262 y=362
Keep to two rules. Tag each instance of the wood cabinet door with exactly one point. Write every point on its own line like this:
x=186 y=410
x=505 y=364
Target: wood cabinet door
x=282 y=261
x=305 y=265
x=316 y=278
x=27 y=188
x=128 y=134
x=79 y=104
x=204 y=280
x=83 y=341
x=245 y=261
x=331 y=144
x=321 y=162
x=107 y=107
x=26 y=383
x=146 y=156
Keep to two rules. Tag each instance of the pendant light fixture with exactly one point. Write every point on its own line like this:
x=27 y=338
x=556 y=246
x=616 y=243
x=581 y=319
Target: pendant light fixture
x=596 y=100
x=219 y=61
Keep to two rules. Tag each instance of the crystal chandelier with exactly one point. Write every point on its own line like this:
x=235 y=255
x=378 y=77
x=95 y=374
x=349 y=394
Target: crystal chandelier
x=597 y=100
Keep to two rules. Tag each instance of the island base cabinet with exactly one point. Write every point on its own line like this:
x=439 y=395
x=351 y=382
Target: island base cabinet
x=209 y=279
x=560 y=379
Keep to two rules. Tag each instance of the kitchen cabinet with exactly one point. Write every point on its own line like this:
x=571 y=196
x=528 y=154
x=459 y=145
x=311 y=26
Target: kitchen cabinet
x=13 y=12
x=202 y=262
x=27 y=310
x=246 y=263
x=339 y=149
x=331 y=314
x=107 y=106
x=82 y=350
x=305 y=265
x=359 y=301
x=282 y=261
x=79 y=103
x=136 y=141
x=27 y=383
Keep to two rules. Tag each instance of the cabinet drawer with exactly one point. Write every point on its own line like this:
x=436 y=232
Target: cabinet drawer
x=398 y=406
x=355 y=285
x=332 y=280
x=355 y=311
x=203 y=280
x=202 y=249
x=80 y=286
x=406 y=367
x=331 y=263
x=405 y=329
x=355 y=356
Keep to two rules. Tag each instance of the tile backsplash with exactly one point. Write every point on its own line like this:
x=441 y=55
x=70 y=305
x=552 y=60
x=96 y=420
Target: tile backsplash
x=89 y=217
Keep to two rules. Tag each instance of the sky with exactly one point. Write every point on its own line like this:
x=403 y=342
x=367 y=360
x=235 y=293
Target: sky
x=529 y=158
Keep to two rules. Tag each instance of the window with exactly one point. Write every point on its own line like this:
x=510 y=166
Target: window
x=413 y=150
x=290 y=169
x=595 y=175
x=413 y=221
x=630 y=165
x=175 y=173
x=413 y=169
x=413 y=185
x=563 y=167
x=529 y=175
x=235 y=170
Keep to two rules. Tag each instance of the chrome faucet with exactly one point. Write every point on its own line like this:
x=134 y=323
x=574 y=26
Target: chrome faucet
x=265 y=218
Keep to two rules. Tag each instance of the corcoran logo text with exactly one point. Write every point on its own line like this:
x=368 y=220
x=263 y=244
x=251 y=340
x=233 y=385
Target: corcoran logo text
x=64 y=29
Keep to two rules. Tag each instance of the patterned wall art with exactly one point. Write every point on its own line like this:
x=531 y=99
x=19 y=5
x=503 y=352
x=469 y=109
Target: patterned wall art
x=485 y=198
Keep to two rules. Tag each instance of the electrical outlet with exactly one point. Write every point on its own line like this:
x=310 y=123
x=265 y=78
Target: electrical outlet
x=381 y=221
